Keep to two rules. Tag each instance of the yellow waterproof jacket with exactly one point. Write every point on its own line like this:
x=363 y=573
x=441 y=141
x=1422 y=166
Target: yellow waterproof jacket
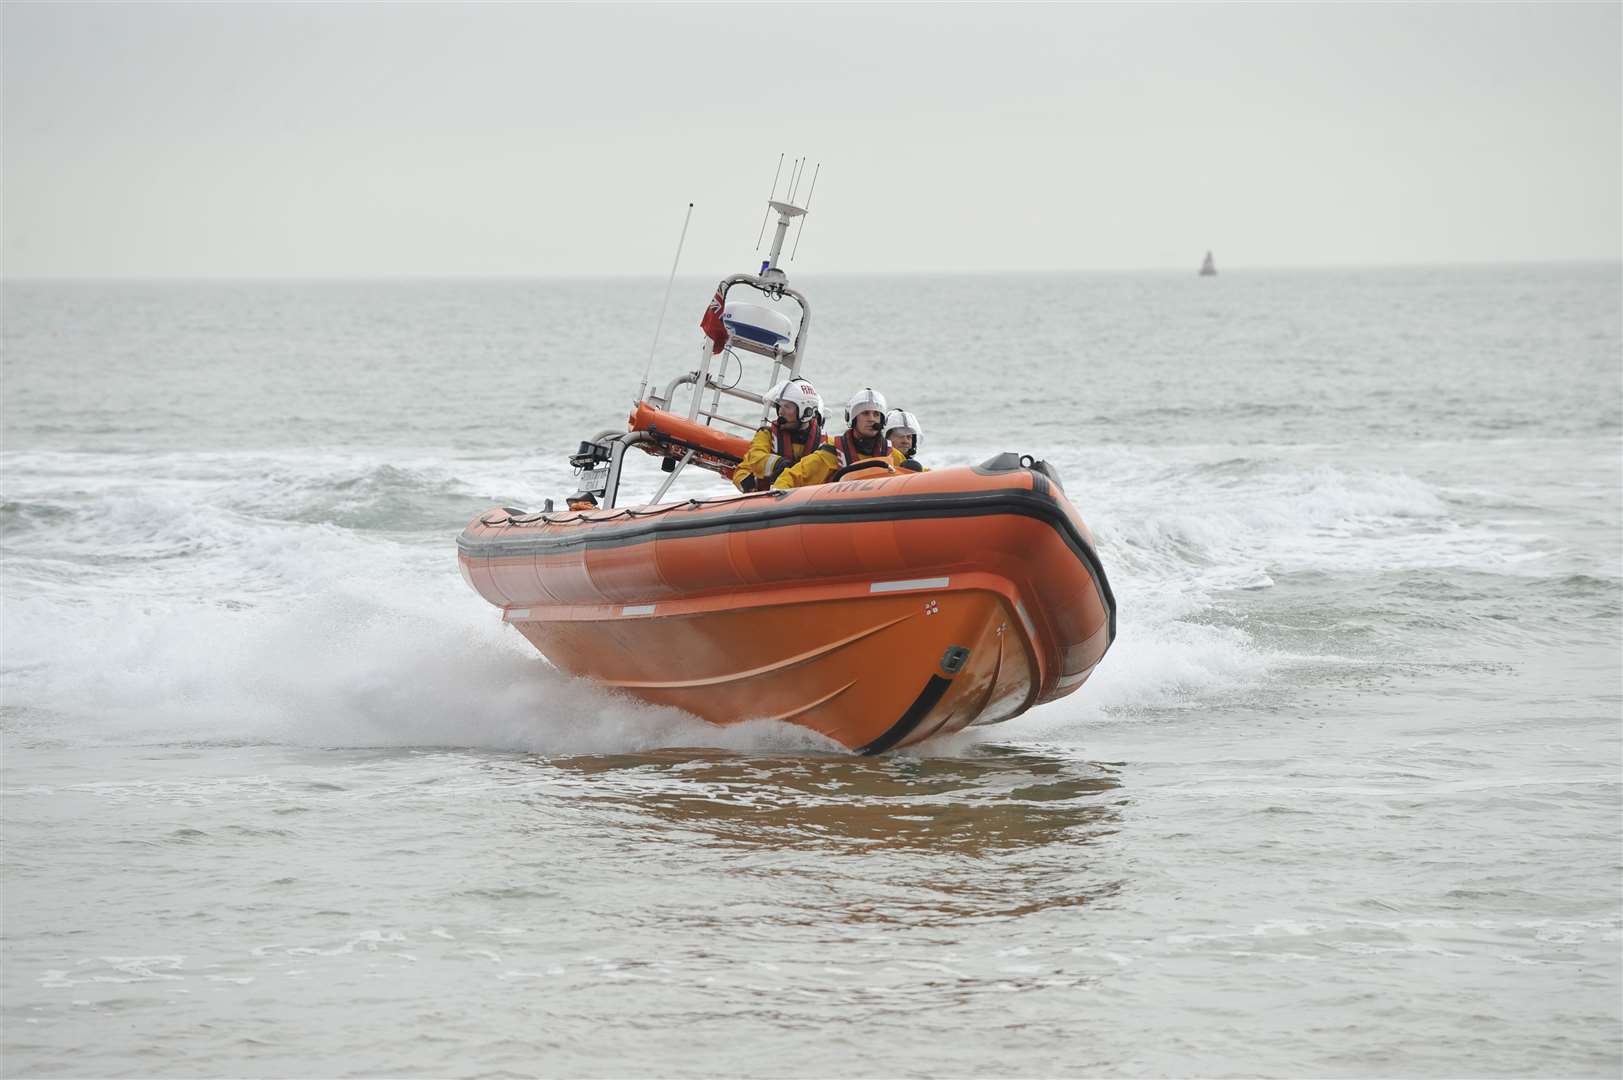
x=762 y=460
x=819 y=467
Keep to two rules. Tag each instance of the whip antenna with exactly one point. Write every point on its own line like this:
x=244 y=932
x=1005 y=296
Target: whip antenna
x=773 y=194
x=809 y=195
x=660 y=325
x=794 y=179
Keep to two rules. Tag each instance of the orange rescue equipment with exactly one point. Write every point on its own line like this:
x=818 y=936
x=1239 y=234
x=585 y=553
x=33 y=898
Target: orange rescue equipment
x=674 y=436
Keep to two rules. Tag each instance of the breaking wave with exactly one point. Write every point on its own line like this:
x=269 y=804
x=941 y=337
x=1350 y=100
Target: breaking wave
x=313 y=599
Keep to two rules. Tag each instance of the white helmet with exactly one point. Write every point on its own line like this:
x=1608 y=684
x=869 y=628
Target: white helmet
x=902 y=422
x=865 y=400
x=800 y=394
x=771 y=398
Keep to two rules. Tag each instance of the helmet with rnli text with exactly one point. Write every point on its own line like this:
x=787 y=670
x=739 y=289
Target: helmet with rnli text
x=902 y=422
x=865 y=400
x=802 y=395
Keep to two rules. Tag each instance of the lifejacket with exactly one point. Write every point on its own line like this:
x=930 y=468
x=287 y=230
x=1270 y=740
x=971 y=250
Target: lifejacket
x=780 y=437
x=783 y=441
x=846 y=449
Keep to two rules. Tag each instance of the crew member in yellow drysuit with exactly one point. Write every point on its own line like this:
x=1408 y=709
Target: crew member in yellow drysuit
x=796 y=431
x=863 y=439
x=903 y=433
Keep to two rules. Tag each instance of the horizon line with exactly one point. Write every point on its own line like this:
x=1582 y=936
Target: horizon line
x=1235 y=268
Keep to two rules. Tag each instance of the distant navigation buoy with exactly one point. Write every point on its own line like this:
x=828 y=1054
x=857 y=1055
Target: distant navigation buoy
x=1208 y=268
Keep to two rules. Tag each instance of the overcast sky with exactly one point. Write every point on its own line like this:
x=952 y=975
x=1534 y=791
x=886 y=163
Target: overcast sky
x=378 y=139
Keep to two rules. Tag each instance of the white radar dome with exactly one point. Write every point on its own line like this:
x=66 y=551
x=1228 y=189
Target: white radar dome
x=759 y=324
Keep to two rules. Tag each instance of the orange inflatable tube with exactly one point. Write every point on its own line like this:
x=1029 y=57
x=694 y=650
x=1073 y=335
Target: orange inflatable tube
x=673 y=436
x=879 y=612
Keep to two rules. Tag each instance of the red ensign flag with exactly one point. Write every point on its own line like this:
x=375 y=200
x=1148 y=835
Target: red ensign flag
x=713 y=327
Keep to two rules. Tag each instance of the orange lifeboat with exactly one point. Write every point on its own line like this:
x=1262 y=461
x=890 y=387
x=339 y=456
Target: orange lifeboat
x=879 y=610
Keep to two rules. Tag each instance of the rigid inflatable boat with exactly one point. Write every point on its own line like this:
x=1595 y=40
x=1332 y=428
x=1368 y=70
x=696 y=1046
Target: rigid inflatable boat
x=880 y=610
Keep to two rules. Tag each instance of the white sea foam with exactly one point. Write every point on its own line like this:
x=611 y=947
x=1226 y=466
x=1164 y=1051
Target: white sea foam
x=184 y=615
x=297 y=597
x=362 y=662
x=178 y=619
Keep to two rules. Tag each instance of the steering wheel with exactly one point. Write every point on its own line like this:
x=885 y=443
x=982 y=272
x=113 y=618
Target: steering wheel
x=859 y=466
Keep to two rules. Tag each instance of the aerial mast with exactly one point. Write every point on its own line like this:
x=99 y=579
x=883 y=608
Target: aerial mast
x=788 y=211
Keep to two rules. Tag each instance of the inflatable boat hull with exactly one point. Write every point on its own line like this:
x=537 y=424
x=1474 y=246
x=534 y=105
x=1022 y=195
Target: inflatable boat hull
x=877 y=612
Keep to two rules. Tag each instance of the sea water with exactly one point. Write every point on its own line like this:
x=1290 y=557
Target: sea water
x=282 y=797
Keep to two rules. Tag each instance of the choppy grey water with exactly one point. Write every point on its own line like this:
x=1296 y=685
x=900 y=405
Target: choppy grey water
x=282 y=797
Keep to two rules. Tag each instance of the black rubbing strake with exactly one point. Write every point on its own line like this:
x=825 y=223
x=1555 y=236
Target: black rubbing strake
x=750 y=513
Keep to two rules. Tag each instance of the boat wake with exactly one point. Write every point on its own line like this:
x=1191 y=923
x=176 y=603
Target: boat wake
x=178 y=620
x=332 y=670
